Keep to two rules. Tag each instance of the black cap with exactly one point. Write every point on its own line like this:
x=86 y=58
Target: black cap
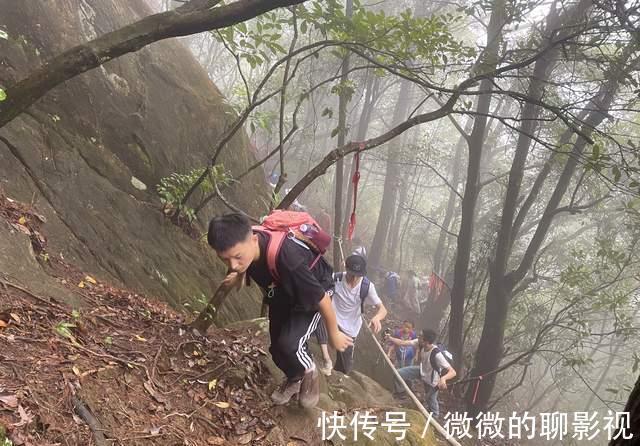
x=356 y=265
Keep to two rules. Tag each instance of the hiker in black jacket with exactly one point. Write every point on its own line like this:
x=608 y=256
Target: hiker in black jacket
x=296 y=299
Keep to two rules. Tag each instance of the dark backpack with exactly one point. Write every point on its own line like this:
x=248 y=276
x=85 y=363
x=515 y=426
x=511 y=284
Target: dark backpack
x=439 y=348
x=391 y=285
x=364 y=288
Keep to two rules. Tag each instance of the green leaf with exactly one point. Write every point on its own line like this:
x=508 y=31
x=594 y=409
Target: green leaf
x=616 y=173
x=63 y=329
x=3 y=95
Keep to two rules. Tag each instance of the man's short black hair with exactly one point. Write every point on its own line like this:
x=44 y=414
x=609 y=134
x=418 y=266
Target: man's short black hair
x=228 y=230
x=429 y=335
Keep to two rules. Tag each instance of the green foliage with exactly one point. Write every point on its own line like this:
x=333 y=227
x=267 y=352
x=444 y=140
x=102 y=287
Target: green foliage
x=64 y=329
x=346 y=88
x=3 y=95
x=173 y=189
x=255 y=44
x=389 y=38
x=197 y=304
x=4 y=441
x=263 y=120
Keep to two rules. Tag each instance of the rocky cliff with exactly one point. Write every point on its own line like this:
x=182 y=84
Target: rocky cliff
x=89 y=155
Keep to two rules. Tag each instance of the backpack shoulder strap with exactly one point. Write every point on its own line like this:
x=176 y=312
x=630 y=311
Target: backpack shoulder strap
x=432 y=358
x=364 y=292
x=275 y=239
x=434 y=364
x=337 y=277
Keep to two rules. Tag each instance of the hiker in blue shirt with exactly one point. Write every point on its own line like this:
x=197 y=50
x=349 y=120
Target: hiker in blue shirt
x=391 y=286
x=402 y=355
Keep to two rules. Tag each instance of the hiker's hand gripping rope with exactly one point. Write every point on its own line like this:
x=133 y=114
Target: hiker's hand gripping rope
x=375 y=324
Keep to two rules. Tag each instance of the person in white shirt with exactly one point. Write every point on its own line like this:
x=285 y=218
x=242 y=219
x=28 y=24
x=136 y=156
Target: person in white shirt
x=434 y=372
x=352 y=291
x=411 y=291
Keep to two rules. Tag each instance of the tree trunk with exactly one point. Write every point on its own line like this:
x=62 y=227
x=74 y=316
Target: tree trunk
x=470 y=197
x=501 y=285
x=465 y=234
x=440 y=256
x=394 y=233
x=405 y=229
x=370 y=97
x=391 y=181
x=342 y=134
x=633 y=408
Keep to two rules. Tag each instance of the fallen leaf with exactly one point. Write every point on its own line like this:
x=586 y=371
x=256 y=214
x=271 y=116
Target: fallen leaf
x=81 y=284
x=140 y=338
x=77 y=419
x=212 y=384
x=40 y=217
x=22 y=220
x=15 y=317
x=21 y=228
x=2 y=323
x=222 y=404
x=215 y=440
x=25 y=417
x=91 y=280
x=76 y=370
x=9 y=400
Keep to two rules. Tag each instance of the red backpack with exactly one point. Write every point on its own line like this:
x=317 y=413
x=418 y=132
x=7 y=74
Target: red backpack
x=280 y=224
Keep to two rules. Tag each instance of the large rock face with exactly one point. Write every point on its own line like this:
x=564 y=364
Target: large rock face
x=84 y=153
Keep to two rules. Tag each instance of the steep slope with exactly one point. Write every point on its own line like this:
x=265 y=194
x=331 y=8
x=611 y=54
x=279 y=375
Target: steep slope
x=84 y=153
x=120 y=368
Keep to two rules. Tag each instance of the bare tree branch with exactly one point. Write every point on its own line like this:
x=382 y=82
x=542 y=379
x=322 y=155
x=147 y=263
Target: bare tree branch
x=191 y=18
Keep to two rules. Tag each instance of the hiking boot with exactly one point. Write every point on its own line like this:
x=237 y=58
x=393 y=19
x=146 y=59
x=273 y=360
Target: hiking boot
x=326 y=367
x=284 y=393
x=310 y=389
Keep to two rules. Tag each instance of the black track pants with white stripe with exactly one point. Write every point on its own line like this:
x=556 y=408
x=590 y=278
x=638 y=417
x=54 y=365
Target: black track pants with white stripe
x=290 y=330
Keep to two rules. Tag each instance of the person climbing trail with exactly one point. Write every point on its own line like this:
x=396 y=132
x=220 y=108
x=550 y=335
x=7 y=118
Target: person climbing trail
x=402 y=356
x=297 y=298
x=352 y=291
x=434 y=369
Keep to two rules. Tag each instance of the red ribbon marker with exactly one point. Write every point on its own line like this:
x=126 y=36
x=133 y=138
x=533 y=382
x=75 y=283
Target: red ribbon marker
x=355 y=180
